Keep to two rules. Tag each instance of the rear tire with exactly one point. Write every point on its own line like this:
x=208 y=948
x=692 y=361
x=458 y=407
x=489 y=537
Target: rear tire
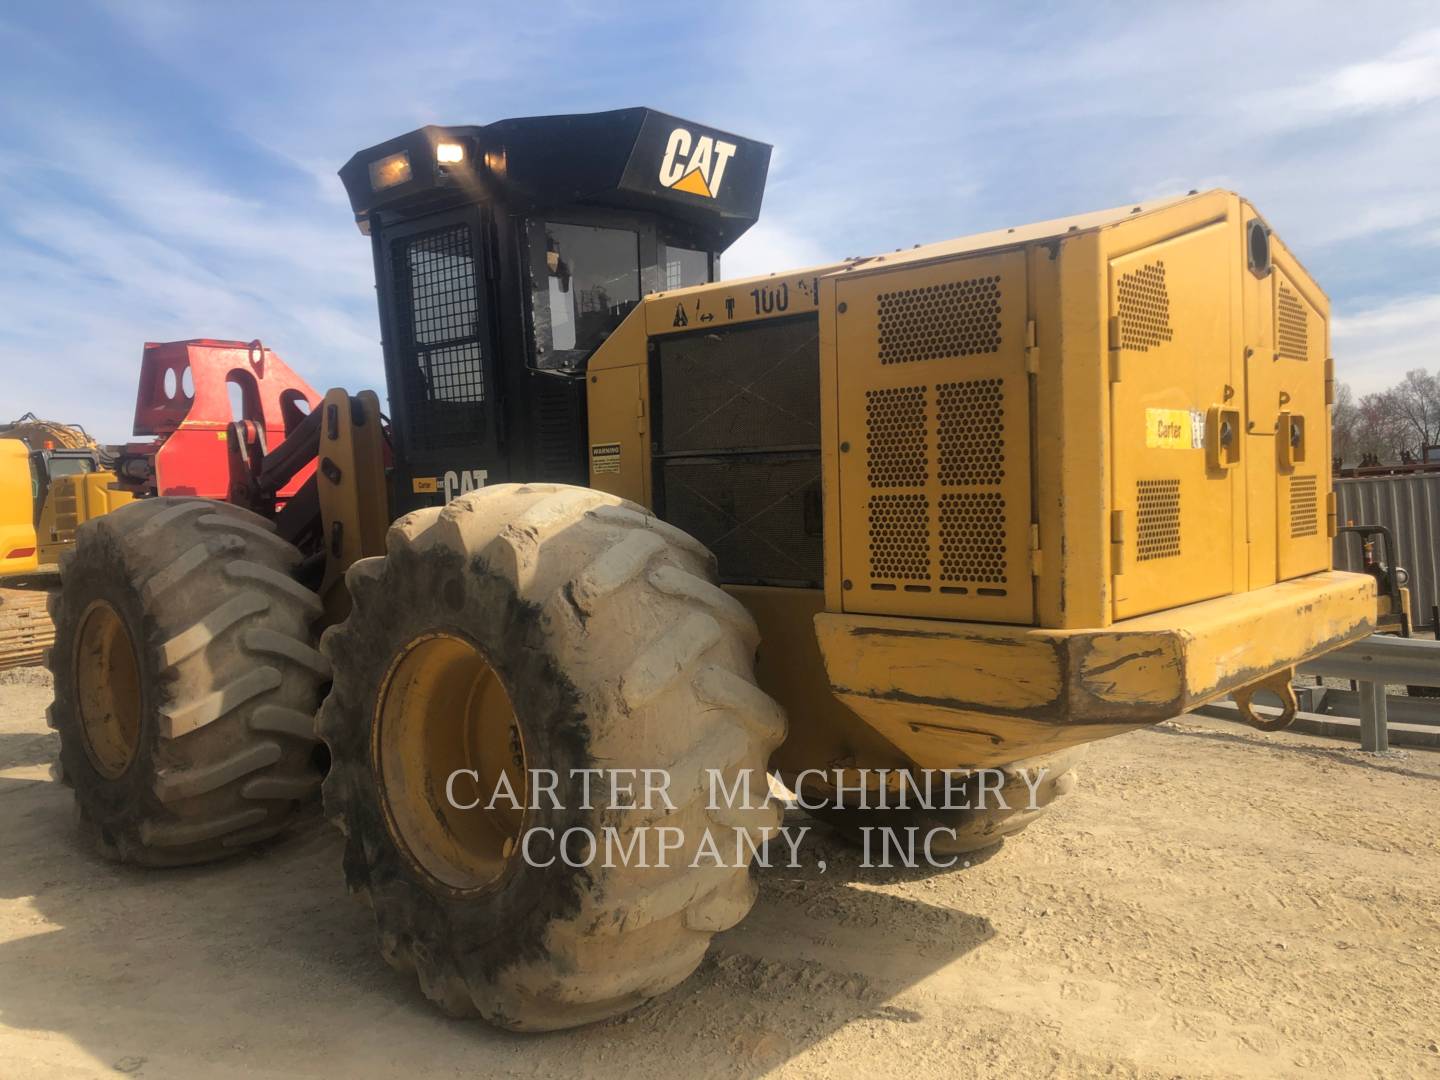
x=974 y=829
x=186 y=681
x=615 y=650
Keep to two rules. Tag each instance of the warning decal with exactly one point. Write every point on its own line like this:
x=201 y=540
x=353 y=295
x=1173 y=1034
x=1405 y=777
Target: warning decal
x=605 y=458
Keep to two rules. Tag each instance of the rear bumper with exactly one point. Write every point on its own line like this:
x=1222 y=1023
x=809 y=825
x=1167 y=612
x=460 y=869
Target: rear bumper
x=971 y=694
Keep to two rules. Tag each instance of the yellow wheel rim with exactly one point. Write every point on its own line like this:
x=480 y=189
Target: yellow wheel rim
x=108 y=689
x=444 y=720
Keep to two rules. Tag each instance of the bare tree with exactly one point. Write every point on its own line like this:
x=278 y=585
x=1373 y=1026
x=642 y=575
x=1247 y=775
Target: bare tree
x=1380 y=430
x=1416 y=404
x=1345 y=425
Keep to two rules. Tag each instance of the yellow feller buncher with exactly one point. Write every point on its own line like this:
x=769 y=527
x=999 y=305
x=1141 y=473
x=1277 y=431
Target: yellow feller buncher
x=973 y=504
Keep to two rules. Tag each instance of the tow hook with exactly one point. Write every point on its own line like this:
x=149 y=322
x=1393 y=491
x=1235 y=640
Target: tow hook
x=1278 y=684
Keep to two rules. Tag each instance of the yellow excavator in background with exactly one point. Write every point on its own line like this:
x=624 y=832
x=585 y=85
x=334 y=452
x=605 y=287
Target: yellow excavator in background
x=52 y=478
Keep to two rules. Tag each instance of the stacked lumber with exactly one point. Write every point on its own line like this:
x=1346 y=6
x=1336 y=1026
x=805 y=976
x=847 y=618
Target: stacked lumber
x=25 y=627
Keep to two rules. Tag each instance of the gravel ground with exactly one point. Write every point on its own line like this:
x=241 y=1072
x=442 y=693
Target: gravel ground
x=1212 y=902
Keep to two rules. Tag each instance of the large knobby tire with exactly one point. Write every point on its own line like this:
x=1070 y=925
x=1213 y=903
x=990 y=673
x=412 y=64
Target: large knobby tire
x=986 y=822
x=596 y=634
x=186 y=681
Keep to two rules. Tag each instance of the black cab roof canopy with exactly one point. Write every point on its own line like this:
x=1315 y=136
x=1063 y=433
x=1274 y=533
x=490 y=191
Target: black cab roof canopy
x=632 y=159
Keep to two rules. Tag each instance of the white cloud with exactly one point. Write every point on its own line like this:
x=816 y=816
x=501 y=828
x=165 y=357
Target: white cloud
x=1405 y=76
x=1375 y=346
x=1408 y=76
x=893 y=124
x=771 y=245
x=84 y=288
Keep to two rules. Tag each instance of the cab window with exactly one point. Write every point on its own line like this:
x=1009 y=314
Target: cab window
x=584 y=281
x=682 y=267
x=70 y=466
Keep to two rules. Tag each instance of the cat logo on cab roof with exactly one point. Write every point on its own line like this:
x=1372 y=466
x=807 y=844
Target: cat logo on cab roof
x=695 y=164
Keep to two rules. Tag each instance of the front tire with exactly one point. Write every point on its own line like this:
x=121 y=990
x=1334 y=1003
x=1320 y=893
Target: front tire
x=538 y=627
x=186 y=681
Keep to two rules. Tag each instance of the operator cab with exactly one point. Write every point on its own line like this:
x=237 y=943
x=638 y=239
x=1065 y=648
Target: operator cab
x=506 y=254
x=47 y=464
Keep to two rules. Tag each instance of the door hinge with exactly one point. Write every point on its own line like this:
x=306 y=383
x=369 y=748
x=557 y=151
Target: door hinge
x=490 y=246
x=1032 y=349
x=1117 y=542
x=1034 y=549
x=1114 y=334
x=1329 y=380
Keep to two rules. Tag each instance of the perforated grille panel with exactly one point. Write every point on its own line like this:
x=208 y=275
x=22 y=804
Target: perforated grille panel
x=1157 y=519
x=972 y=431
x=1304 y=506
x=440 y=355
x=1292 y=325
x=968 y=440
x=972 y=537
x=1144 y=308
x=900 y=536
x=895 y=451
x=957 y=318
x=933 y=414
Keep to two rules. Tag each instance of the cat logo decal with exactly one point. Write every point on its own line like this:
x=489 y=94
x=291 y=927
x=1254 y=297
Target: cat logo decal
x=695 y=164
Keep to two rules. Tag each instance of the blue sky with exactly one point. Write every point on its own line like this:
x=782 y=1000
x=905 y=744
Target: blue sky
x=167 y=170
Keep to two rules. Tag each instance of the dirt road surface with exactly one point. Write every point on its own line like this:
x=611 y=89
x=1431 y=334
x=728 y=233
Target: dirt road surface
x=1212 y=902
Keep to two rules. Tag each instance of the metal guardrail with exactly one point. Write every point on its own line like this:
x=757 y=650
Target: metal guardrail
x=1382 y=658
x=1373 y=663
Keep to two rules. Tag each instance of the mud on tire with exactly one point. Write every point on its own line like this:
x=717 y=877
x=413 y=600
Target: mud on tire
x=186 y=681
x=974 y=829
x=617 y=651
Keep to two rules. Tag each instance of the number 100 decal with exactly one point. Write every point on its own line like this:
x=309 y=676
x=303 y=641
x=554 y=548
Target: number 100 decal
x=770 y=299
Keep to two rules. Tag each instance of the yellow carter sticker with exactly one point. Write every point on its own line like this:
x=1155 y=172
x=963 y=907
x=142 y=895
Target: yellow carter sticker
x=1174 y=429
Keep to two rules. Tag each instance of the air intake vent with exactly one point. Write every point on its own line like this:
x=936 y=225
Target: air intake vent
x=895 y=437
x=1304 y=506
x=972 y=432
x=959 y=318
x=1292 y=325
x=1158 y=519
x=759 y=513
x=736 y=444
x=900 y=537
x=972 y=537
x=1144 y=308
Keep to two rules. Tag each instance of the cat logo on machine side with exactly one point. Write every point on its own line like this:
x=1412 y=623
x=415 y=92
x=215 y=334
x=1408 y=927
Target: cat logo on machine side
x=695 y=164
